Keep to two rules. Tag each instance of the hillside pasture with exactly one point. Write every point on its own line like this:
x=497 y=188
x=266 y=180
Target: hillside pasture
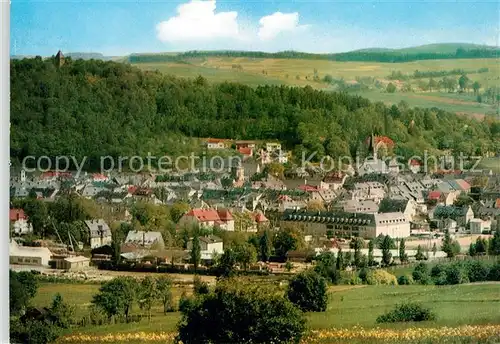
x=301 y=72
x=351 y=309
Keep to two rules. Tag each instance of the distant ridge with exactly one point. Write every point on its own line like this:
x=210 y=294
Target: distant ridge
x=423 y=52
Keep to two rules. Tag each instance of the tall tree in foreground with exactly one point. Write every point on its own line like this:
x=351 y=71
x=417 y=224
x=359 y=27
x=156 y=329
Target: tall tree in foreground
x=308 y=290
x=245 y=314
x=117 y=296
x=164 y=292
x=148 y=294
x=371 y=259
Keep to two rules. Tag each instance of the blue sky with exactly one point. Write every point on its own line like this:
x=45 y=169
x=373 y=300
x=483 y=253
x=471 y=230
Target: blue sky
x=122 y=27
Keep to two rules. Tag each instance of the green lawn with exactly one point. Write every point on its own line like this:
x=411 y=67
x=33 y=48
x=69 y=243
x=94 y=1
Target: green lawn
x=349 y=306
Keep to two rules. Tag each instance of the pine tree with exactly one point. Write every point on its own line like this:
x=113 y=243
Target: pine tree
x=420 y=254
x=371 y=260
x=386 y=250
x=265 y=246
x=403 y=257
x=195 y=251
x=340 y=260
x=448 y=245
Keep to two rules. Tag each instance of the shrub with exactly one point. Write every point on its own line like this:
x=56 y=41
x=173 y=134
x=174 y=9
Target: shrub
x=477 y=271
x=353 y=281
x=200 y=287
x=307 y=291
x=494 y=274
x=421 y=274
x=362 y=274
x=407 y=312
x=405 y=280
x=437 y=270
x=441 y=279
x=456 y=274
x=376 y=277
x=243 y=314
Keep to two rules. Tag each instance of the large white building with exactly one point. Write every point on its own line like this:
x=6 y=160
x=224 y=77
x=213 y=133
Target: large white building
x=25 y=255
x=347 y=225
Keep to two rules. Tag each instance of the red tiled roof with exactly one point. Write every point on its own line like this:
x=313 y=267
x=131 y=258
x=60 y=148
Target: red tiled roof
x=497 y=203
x=16 y=214
x=434 y=195
x=99 y=176
x=378 y=139
x=463 y=184
x=215 y=140
x=52 y=174
x=259 y=218
x=225 y=215
x=308 y=188
x=204 y=215
x=132 y=189
x=415 y=162
x=245 y=151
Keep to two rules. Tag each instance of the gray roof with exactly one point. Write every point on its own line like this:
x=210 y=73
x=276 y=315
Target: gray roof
x=98 y=227
x=138 y=237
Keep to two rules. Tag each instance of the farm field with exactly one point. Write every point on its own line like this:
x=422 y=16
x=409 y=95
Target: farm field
x=300 y=72
x=351 y=312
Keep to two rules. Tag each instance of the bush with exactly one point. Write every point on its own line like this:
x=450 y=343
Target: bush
x=421 y=274
x=376 y=277
x=241 y=314
x=407 y=312
x=441 y=279
x=456 y=274
x=307 y=291
x=494 y=274
x=405 y=280
x=477 y=271
x=353 y=281
x=200 y=287
x=363 y=273
x=437 y=270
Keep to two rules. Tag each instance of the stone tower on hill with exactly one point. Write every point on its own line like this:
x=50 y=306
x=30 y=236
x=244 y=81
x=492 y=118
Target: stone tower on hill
x=59 y=59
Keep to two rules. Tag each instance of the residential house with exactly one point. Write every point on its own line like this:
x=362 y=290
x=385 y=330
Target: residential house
x=273 y=146
x=206 y=218
x=478 y=226
x=100 y=233
x=353 y=206
x=335 y=180
x=460 y=214
x=373 y=191
x=19 y=221
x=215 y=143
x=24 y=255
x=209 y=245
x=347 y=225
x=148 y=240
x=245 y=144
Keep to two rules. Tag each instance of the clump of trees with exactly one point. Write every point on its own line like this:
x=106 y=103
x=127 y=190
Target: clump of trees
x=29 y=324
x=457 y=272
x=245 y=314
x=308 y=291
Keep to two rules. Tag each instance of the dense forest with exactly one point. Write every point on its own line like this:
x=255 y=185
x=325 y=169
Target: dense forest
x=98 y=108
x=360 y=55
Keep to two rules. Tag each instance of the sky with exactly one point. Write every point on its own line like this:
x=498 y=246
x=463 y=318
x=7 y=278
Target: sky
x=116 y=28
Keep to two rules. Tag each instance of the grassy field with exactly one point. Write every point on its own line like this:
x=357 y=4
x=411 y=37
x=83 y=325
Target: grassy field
x=350 y=308
x=300 y=72
x=490 y=164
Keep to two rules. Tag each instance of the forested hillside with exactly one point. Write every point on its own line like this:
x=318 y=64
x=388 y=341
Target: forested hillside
x=401 y=55
x=94 y=108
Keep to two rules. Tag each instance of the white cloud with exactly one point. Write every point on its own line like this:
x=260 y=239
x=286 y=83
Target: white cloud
x=197 y=21
x=278 y=22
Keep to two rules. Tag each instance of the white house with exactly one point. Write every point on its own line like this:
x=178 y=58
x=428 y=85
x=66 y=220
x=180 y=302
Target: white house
x=100 y=233
x=477 y=226
x=206 y=218
x=19 y=221
x=215 y=144
x=145 y=239
x=209 y=246
x=25 y=255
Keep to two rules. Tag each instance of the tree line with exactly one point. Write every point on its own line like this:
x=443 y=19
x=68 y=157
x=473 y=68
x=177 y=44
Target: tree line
x=360 y=55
